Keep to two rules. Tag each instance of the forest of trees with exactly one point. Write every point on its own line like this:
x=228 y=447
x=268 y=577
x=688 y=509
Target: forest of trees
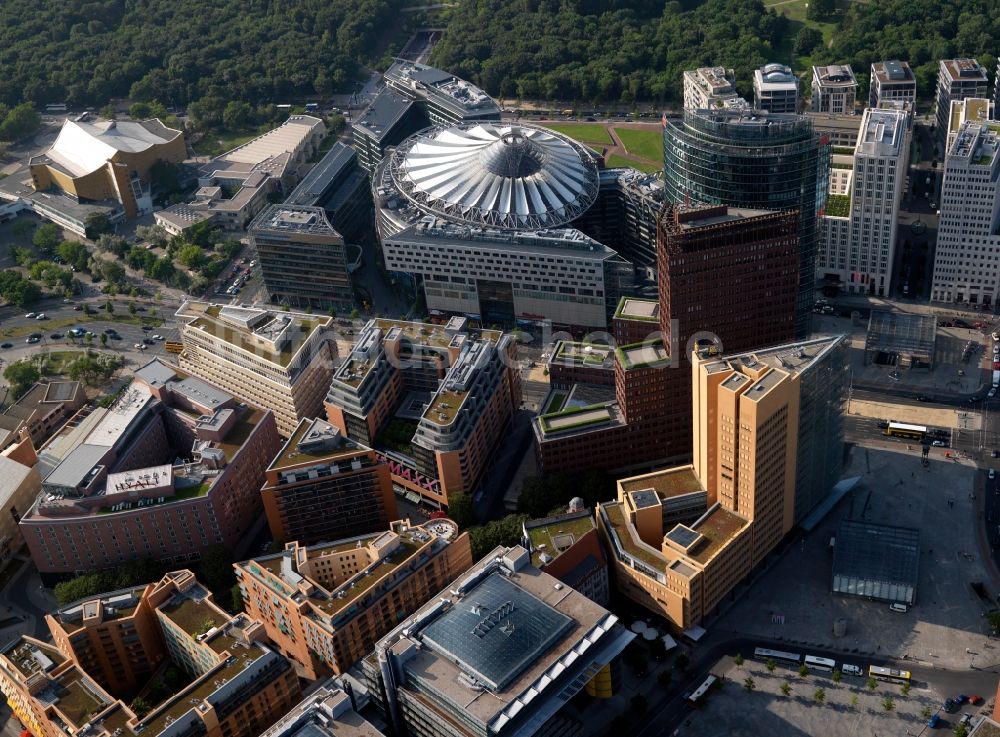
x=85 y=52
x=624 y=50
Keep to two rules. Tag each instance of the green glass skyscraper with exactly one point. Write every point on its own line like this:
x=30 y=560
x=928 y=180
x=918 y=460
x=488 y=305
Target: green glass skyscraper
x=758 y=160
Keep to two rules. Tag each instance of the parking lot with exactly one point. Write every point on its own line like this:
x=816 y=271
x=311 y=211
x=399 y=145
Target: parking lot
x=946 y=628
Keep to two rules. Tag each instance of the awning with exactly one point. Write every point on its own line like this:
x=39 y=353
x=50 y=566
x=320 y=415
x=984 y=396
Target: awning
x=669 y=643
x=695 y=633
x=413 y=497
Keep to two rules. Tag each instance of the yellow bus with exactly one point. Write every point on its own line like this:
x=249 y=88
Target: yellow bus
x=903 y=430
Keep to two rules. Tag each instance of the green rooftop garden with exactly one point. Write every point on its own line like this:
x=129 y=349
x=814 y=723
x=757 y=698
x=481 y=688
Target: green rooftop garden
x=838 y=205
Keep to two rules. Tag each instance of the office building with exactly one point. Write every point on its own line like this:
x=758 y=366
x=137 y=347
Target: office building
x=338 y=185
x=107 y=160
x=834 y=89
x=325 y=606
x=892 y=81
x=767 y=450
x=966 y=269
x=326 y=712
x=711 y=88
x=234 y=187
x=758 y=161
x=958 y=79
x=776 y=89
x=567 y=547
x=500 y=651
x=859 y=227
x=275 y=359
x=535 y=230
x=239 y=686
x=40 y=411
x=436 y=401
x=324 y=486
x=841 y=130
x=704 y=253
x=302 y=258
x=414 y=97
x=173 y=467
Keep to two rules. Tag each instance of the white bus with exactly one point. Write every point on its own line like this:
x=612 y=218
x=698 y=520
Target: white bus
x=55 y=107
x=699 y=693
x=823 y=664
x=763 y=653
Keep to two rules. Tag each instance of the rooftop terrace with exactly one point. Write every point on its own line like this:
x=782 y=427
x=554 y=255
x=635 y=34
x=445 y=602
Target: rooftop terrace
x=623 y=531
x=651 y=354
x=634 y=308
x=194 y=616
x=586 y=354
x=293 y=455
x=718 y=526
x=666 y=483
x=557 y=535
x=77 y=698
x=578 y=418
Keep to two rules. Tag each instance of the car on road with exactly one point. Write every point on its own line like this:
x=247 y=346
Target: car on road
x=992 y=474
x=41 y=316
x=7 y=345
x=138 y=346
x=31 y=339
x=950 y=706
x=991 y=393
x=922 y=398
x=140 y=308
x=77 y=308
x=147 y=341
x=109 y=331
x=56 y=336
x=30 y=316
x=146 y=328
x=158 y=337
x=934 y=721
x=973 y=400
x=939 y=444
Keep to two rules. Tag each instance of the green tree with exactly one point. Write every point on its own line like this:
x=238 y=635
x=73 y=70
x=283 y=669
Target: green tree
x=786 y=688
x=820 y=9
x=462 y=511
x=738 y=660
x=140 y=706
x=217 y=567
x=73 y=253
x=131 y=309
x=804 y=670
x=806 y=40
x=925 y=713
x=104 y=340
x=96 y=224
x=888 y=704
x=854 y=699
x=749 y=683
x=21 y=122
x=994 y=620
x=872 y=684
x=355 y=314
x=47 y=237
x=960 y=730
x=905 y=689
x=770 y=665
x=191 y=256
x=109 y=307
x=139 y=110
x=820 y=694
x=836 y=675
x=506 y=531
x=237 y=115
x=236 y=596
x=21 y=375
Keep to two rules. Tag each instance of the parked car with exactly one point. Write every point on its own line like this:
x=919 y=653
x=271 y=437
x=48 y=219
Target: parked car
x=7 y=345
x=950 y=706
x=975 y=700
x=146 y=328
x=934 y=721
x=77 y=308
x=30 y=316
x=939 y=444
x=110 y=331
x=147 y=341
x=851 y=670
x=41 y=316
x=961 y=699
x=56 y=336
x=31 y=339
x=158 y=337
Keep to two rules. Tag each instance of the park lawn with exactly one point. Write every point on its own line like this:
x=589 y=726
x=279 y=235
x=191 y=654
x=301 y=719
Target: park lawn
x=795 y=11
x=615 y=161
x=585 y=132
x=57 y=362
x=645 y=144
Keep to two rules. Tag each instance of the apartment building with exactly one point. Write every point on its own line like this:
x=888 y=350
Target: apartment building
x=892 y=81
x=324 y=486
x=326 y=712
x=703 y=251
x=40 y=411
x=435 y=401
x=711 y=88
x=859 y=227
x=958 y=79
x=279 y=360
x=834 y=89
x=172 y=468
x=568 y=547
x=967 y=256
x=776 y=89
x=500 y=651
x=767 y=445
x=239 y=686
x=325 y=605
x=974 y=110
x=302 y=258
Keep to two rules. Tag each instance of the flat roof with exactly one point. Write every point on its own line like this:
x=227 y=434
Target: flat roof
x=964 y=70
x=315 y=185
x=717 y=527
x=553 y=535
x=291 y=220
x=635 y=308
x=666 y=483
x=286 y=138
x=386 y=109
x=327 y=712
x=293 y=453
x=12 y=476
x=651 y=354
x=596 y=355
x=835 y=75
x=893 y=72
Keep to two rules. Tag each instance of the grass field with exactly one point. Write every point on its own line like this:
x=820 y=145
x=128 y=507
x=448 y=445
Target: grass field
x=585 y=132
x=646 y=144
x=214 y=144
x=795 y=11
x=616 y=161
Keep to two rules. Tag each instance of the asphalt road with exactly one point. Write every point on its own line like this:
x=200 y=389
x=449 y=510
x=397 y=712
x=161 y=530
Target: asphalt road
x=667 y=713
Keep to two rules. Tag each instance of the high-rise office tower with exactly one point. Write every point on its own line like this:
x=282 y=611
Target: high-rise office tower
x=753 y=160
x=858 y=233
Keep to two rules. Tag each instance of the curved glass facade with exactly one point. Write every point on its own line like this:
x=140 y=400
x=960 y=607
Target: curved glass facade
x=755 y=160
